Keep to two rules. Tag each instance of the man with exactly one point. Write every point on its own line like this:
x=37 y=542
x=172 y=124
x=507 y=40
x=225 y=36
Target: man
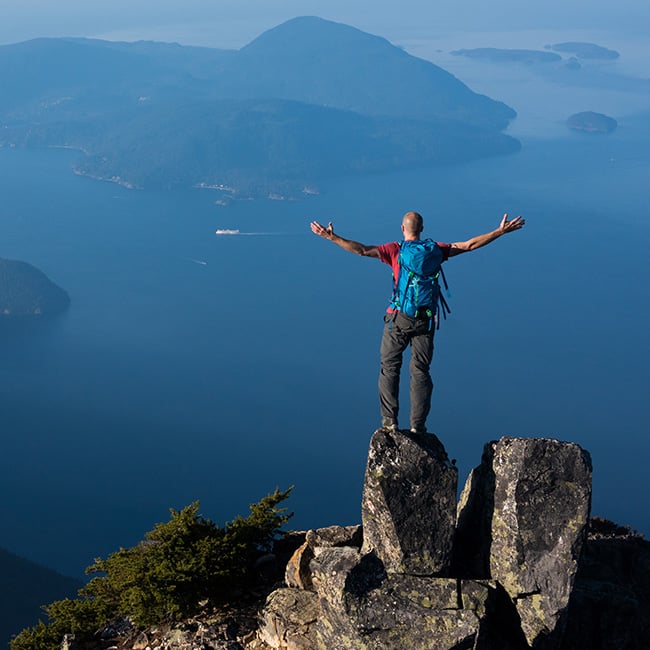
x=402 y=330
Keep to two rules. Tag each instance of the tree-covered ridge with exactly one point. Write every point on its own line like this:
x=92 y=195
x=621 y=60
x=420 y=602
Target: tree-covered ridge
x=181 y=567
x=26 y=291
x=306 y=100
x=317 y=61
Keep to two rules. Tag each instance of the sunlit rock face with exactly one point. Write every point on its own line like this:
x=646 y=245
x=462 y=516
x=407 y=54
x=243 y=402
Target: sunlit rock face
x=525 y=511
x=408 y=509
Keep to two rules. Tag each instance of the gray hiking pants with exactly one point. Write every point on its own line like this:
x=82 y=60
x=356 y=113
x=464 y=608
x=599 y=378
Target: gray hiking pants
x=399 y=332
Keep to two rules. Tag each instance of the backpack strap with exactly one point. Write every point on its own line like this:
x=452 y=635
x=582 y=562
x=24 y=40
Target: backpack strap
x=394 y=301
x=444 y=308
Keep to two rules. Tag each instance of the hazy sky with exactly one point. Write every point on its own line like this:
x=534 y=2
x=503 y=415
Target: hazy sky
x=232 y=23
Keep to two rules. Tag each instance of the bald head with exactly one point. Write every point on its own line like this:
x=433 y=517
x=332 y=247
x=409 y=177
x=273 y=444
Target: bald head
x=412 y=225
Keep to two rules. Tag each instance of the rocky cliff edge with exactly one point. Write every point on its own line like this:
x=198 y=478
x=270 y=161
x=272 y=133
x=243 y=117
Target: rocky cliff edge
x=515 y=564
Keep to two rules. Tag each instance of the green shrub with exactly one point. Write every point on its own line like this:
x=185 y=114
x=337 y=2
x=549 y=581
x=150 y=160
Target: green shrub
x=181 y=563
x=39 y=637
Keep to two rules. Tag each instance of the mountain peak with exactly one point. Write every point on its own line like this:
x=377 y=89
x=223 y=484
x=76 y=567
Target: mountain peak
x=319 y=61
x=313 y=32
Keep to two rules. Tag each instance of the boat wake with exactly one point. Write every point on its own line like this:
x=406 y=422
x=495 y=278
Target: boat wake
x=222 y=232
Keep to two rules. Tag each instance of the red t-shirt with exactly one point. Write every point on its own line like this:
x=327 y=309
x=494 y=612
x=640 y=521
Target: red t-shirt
x=389 y=254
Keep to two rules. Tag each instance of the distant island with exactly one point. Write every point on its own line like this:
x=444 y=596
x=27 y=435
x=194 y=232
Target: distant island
x=305 y=101
x=590 y=122
x=497 y=55
x=27 y=292
x=585 y=50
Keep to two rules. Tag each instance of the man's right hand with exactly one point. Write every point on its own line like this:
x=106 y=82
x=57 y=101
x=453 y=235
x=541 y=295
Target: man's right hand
x=509 y=226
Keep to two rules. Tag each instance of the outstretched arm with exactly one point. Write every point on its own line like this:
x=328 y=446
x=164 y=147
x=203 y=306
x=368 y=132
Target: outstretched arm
x=481 y=240
x=346 y=244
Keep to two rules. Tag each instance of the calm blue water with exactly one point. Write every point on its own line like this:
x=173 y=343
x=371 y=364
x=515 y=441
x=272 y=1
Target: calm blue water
x=170 y=380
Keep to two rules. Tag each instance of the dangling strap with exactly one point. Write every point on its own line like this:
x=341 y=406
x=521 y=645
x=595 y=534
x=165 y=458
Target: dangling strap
x=442 y=303
x=444 y=281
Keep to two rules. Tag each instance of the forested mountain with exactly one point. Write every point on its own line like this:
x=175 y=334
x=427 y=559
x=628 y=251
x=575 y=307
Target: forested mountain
x=27 y=291
x=320 y=62
x=306 y=100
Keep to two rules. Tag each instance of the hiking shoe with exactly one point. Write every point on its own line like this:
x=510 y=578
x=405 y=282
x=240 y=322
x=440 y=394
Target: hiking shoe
x=419 y=430
x=388 y=424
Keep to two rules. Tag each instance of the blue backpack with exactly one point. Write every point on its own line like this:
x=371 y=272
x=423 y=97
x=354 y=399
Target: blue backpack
x=417 y=290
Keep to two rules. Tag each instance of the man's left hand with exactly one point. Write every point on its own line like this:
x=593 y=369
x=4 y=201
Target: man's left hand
x=321 y=231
